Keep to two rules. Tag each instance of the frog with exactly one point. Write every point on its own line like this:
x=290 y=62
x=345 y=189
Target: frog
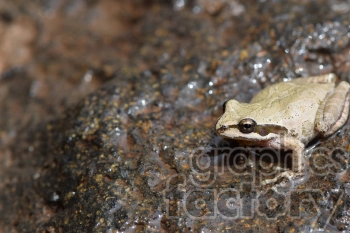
x=287 y=116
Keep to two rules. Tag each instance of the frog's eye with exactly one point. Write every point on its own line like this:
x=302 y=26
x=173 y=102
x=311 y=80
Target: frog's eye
x=247 y=125
x=224 y=106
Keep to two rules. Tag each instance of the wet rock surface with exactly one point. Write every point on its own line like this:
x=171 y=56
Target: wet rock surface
x=140 y=154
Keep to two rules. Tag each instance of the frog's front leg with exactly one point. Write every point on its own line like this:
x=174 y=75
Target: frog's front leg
x=296 y=146
x=334 y=110
x=299 y=174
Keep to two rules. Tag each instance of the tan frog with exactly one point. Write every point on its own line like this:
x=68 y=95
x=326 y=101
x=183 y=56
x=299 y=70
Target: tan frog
x=288 y=115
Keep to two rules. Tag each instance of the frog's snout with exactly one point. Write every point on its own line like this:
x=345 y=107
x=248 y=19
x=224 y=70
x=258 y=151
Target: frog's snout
x=222 y=128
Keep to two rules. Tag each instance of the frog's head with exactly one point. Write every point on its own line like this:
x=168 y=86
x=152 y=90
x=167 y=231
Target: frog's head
x=247 y=122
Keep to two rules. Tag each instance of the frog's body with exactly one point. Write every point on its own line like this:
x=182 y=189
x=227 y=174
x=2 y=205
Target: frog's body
x=288 y=115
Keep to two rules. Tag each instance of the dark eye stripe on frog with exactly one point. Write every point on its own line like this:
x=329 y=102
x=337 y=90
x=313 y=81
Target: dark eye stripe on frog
x=262 y=130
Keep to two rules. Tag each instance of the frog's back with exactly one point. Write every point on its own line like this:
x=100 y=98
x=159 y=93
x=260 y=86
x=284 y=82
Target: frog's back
x=289 y=91
x=290 y=105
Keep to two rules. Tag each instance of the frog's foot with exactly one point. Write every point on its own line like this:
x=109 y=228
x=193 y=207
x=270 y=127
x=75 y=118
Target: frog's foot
x=295 y=178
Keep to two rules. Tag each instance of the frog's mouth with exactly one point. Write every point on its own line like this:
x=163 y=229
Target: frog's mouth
x=260 y=132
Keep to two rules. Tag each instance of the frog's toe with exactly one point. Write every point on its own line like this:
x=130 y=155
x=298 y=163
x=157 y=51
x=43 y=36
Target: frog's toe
x=295 y=178
x=300 y=178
